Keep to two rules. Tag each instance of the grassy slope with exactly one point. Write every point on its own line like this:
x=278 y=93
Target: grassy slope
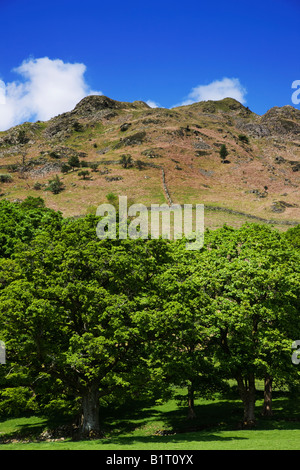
x=190 y=178
x=135 y=429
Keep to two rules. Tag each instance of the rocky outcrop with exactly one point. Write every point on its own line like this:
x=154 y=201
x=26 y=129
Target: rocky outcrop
x=280 y=206
x=60 y=127
x=282 y=121
x=134 y=139
x=95 y=105
x=295 y=165
x=254 y=129
x=92 y=108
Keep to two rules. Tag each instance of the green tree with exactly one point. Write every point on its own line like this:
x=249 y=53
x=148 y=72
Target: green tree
x=243 y=138
x=5 y=178
x=223 y=152
x=293 y=236
x=85 y=174
x=94 y=166
x=74 y=161
x=54 y=154
x=65 y=168
x=84 y=319
x=21 y=221
x=183 y=338
x=252 y=279
x=55 y=185
x=74 y=313
x=126 y=160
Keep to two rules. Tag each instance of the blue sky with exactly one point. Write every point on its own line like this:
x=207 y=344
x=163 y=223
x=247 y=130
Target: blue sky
x=167 y=52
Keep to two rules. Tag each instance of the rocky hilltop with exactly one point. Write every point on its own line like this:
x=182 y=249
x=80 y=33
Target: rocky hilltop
x=105 y=148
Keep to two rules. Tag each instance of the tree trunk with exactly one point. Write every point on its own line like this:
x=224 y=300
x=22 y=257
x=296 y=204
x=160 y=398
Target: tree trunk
x=191 y=412
x=267 y=407
x=248 y=395
x=90 y=424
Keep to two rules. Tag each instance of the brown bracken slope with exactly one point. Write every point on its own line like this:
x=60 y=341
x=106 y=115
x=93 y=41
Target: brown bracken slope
x=171 y=156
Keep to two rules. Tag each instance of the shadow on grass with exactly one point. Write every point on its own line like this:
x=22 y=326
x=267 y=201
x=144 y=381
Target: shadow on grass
x=184 y=437
x=28 y=427
x=144 y=422
x=156 y=423
x=211 y=416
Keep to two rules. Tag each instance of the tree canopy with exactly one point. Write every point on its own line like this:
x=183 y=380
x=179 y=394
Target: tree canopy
x=84 y=318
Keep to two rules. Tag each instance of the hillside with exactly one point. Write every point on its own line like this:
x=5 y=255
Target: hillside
x=174 y=159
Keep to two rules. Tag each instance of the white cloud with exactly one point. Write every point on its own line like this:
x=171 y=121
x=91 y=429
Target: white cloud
x=217 y=90
x=153 y=104
x=48 y=88
x=2 y=92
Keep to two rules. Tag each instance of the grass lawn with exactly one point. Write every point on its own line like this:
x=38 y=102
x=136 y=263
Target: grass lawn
x=141 y=428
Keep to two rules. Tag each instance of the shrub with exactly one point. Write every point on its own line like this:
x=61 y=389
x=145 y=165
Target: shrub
x=74 y=161
x=5 y=178
x=54 y=154
x=78 y=127
x=223 y=152
x=65 y=168
x=94 y=166
x=55 y=185
x=111 y=197
x=22 y=137
x=140 y=164
x=37 y=186
x=33 y=202
x=243 y=138
x=126 y=160
x=124 y=127
x=85 y=174
x=13 y=167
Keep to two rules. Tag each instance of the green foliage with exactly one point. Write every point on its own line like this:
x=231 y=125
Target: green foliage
x=22 y=137
x=21 y=222
x=54 y=154
x=76 y=309
x=243 y=138
x=65 y=168
x=5 y=178
x=32 y=203
x=16 y=401
x=85 y=319
x=111 y=197
x=37 y=186
x=55 y=185
x=74 y=161
x=293 y=237
x=78 y=127
x=84 y=174
x=14 y=167
x=223 y=152
x=140 y=164
x=94 y=166
x=126 y=160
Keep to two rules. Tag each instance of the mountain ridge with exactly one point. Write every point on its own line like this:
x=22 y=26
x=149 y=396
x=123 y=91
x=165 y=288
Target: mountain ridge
x=259 y=177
